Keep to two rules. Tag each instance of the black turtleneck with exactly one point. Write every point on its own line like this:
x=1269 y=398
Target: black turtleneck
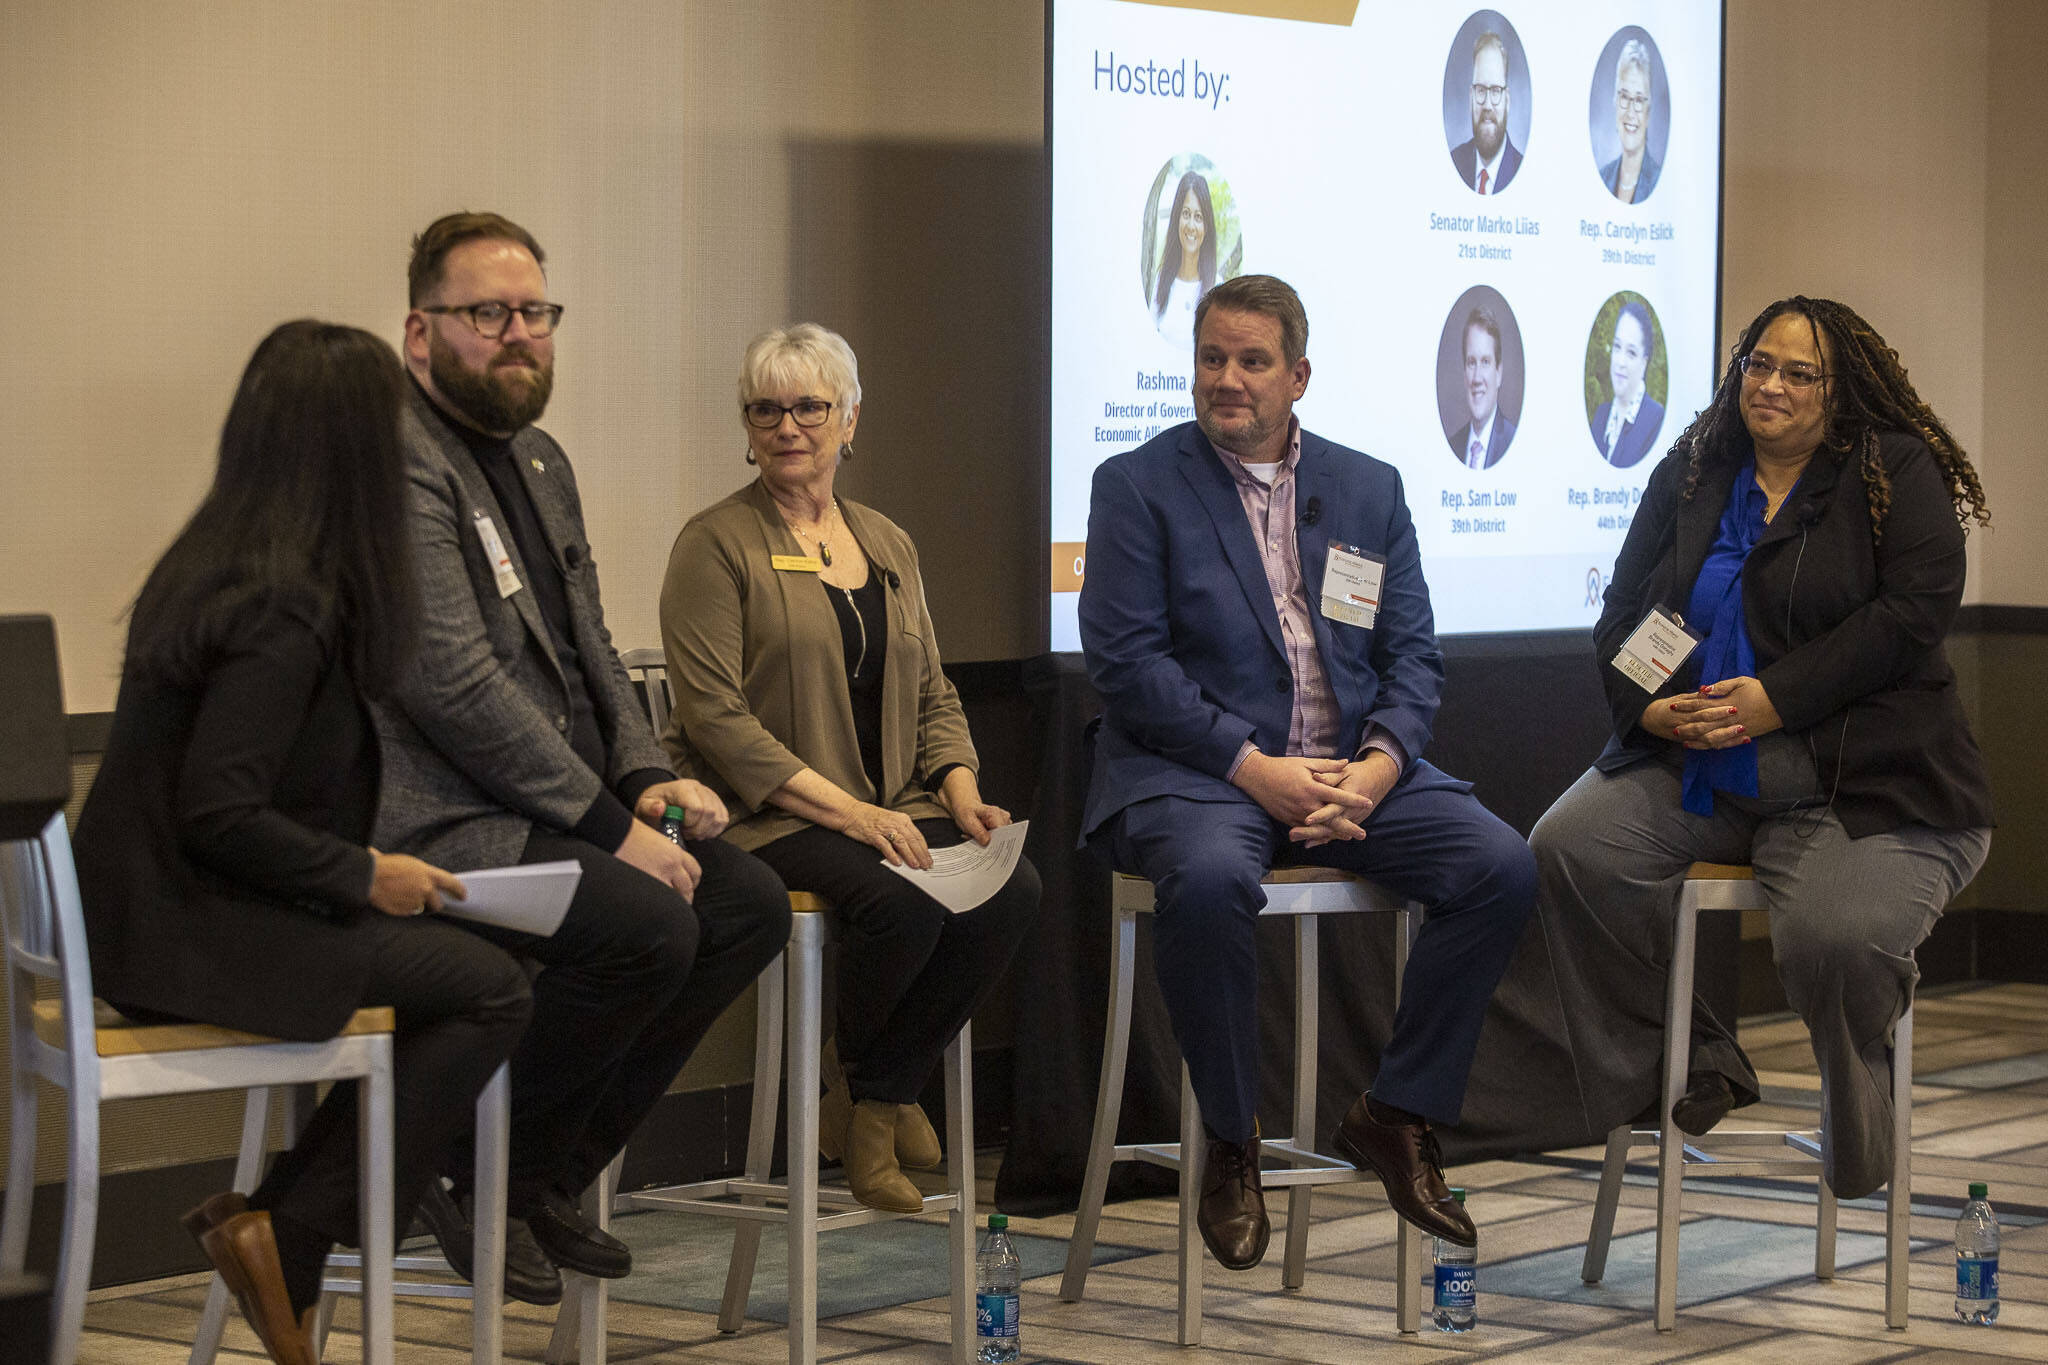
x=607 y=821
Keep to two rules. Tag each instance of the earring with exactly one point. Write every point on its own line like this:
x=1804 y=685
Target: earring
x=845 y=451
x=750 y=455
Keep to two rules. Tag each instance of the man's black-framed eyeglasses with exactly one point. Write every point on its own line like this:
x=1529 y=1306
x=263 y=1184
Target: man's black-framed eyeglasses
x=490 y=318
x=809 y=412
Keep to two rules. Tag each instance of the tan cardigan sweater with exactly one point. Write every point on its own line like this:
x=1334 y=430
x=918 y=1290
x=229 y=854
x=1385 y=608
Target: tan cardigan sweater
x=759 y=673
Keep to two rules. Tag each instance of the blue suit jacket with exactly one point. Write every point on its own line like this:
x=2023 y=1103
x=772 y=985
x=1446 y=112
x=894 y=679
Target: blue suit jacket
x=1646 y=178
x=1465 y=156
x=1636 y=436
x=1182 y=638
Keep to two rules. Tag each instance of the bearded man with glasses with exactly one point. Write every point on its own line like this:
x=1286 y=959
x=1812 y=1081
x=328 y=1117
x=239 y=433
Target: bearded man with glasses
x=1487 y=162
x=517 y=737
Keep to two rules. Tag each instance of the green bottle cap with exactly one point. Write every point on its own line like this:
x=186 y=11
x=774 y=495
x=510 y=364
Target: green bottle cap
x=1978 y=1189
x=998 y=1221
x=672 y=813
x=1458 y=1193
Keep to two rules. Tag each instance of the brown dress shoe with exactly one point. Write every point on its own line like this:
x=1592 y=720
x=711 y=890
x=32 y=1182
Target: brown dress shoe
x=1406 y=1159
x=871 y=1168
x=1232 y=1213
x=243 y=1250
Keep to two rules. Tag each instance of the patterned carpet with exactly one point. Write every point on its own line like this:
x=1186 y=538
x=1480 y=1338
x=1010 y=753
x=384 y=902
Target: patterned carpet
x=1747 y=1291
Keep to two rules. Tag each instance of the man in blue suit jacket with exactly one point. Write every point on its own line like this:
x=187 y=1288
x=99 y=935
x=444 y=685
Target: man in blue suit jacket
x=1249 y=721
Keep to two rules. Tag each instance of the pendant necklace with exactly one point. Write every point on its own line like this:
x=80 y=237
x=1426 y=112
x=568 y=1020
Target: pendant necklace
x=824 y=526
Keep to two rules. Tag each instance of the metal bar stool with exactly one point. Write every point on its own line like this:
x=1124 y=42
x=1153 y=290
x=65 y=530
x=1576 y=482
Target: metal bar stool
x=94 y=1055
x=800 y=1201
x=344 y=1268
x=1304 y=893
x=1753 y=1152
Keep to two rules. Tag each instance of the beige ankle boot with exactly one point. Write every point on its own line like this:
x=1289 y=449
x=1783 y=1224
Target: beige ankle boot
x=917 y=1146
x=870 y=1165
x=835 y=1108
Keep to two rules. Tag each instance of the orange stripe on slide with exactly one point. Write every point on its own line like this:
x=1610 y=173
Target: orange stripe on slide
x=1338 y=12
x=1069 y=557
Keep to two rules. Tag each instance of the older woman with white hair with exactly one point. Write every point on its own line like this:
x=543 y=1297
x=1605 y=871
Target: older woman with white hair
x=809 y=696
x=1632 y=175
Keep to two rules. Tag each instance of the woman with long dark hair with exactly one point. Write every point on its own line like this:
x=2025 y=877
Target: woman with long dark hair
x=223 y=854
x=1809 y=528
x=1187 y=264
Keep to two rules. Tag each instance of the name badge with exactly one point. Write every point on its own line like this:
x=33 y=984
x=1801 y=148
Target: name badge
x=797 y=563
x=494 y=550
x=1655 y=649
x=1351 y=585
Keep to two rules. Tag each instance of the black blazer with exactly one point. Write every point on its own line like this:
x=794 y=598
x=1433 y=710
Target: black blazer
x=1848 y=631
x=221 y=853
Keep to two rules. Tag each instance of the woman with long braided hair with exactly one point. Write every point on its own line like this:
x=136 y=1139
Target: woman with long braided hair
x=1807 y=530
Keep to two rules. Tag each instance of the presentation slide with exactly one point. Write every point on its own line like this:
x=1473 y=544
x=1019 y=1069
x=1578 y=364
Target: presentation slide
x=1503 y=223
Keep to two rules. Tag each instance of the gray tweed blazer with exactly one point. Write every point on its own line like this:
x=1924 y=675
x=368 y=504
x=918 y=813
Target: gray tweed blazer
x=476 y=745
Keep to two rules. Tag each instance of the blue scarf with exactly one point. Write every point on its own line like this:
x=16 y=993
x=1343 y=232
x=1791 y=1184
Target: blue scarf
x=1726 y=651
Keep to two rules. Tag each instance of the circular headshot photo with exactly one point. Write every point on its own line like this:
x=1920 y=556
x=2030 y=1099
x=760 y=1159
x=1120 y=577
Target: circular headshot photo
x=1190 y=242
x=1486 y=103
x=1629 y=115
x=1479 y=376
x=1627 y=378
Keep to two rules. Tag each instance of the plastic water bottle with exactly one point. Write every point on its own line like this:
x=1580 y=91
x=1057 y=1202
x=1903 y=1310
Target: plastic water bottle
x=996 y=1276
x=672 y=824
x=1457 y=1269
x=1977 y=1260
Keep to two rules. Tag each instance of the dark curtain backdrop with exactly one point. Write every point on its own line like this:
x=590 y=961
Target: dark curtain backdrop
x=1522 y=718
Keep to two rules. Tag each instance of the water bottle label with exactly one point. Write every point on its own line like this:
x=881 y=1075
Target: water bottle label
x=1976 y=1277
x=995 y=1315
x=1454 y=1286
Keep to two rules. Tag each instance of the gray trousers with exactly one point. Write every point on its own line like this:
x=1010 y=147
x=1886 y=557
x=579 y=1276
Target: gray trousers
x=1845 y=914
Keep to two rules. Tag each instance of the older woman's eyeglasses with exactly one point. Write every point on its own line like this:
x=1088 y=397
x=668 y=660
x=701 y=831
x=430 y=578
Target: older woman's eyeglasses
x=809 y=412
x=1796 y=376
x=490 y=318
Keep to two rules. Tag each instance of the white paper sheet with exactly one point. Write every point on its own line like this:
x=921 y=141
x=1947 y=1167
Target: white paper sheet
x=965 y=875
x=532 y=899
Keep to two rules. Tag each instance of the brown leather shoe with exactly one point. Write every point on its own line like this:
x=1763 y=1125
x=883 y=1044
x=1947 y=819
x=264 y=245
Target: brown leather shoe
x=1232 y=1212
x=243 y=1250
x=1406 y=1159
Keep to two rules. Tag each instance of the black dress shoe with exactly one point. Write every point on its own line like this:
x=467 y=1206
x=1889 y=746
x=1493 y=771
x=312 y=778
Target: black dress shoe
x=1707 y=1099
x=530 y=1276
x=1232 y=1212
x=1406 y=1159
x=573 y=1242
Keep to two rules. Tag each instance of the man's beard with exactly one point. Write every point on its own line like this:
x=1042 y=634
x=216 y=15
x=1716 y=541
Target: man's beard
x=1487 y=134
x=1246 y=440
x=491 y=401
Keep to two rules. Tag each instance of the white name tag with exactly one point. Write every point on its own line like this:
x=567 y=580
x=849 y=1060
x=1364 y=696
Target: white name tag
x=494 y=550
x=1351 y=585
x=1655 y=649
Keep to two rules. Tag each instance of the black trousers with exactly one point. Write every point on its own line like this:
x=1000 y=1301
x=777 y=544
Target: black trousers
x=628 y=987
x=910 y=971
x=462 y=1005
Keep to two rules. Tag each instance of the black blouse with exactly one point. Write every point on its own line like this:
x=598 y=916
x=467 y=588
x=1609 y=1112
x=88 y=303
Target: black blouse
x=864 y=633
